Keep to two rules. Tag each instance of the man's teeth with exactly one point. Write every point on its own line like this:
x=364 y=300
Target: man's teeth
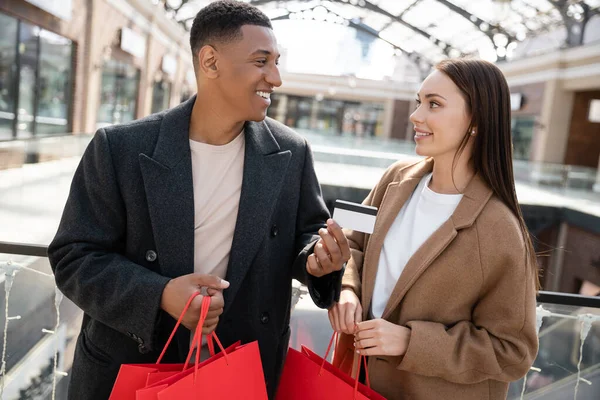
x=264 y=95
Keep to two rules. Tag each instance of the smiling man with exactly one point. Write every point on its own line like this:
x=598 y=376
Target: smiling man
x=208 y=194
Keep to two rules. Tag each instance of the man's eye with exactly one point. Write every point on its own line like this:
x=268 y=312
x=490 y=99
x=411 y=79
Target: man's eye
x=262 y=61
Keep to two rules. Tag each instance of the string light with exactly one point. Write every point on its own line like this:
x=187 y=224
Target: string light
x=10 y=270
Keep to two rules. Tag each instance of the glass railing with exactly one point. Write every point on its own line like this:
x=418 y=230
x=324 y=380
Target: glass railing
x=40 y=328
x=568 y=361
x=381 y=153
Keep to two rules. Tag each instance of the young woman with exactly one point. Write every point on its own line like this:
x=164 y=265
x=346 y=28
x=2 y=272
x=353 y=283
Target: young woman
x=441 y=296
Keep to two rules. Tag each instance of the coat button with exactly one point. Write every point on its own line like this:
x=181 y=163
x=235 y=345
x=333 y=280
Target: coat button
x=264 y=318
x=151 y=255
x=143 y=350
x=274 y=230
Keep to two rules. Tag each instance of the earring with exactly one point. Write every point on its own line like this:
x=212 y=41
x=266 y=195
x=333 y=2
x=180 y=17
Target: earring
x=473 y=133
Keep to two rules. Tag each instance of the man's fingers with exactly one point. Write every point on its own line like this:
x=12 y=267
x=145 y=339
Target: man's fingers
x=217 y=301
x=211 y=321
x=331 y=246
x=214 y=313
x=340 y=238
x=313 y=267
x=210 y=281
x=323 y=258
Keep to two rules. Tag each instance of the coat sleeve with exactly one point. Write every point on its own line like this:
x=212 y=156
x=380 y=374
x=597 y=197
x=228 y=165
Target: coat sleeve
x=312 y=216
x=86 y=253
x=500 y=342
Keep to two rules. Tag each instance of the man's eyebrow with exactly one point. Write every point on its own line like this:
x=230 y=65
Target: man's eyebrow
x=264 y=52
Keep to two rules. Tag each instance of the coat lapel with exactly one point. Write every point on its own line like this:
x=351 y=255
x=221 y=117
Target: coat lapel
x=167 y=175
x=419 y=262
x=396 y=195
x=265 y=167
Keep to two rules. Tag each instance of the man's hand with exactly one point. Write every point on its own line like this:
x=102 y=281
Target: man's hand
x=331 y=251
x=216 y=309
x=178 y=291
x=345 y=314
x=379 y=337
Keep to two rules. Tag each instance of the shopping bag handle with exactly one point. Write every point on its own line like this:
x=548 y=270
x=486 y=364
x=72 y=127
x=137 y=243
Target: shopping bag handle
x=185 y=308
x=362 y=359
x=198 y=338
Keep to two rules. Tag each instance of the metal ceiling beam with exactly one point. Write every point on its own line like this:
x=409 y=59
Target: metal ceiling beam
x=575 y=27
x=407 y=9
x=479 y=23
x=416 y=57
x=444 y=46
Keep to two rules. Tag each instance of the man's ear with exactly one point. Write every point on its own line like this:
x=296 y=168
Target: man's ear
x=208 y=61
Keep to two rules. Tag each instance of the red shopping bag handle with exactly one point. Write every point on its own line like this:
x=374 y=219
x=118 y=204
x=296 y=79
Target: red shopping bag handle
x=198 y=338
x=209 y=337
x=362 y=359
x=185 y=308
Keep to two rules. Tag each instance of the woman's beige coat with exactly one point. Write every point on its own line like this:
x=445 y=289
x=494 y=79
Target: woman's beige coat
x=467 y=294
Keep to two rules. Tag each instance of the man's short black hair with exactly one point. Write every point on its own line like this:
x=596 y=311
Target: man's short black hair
x=221 y=21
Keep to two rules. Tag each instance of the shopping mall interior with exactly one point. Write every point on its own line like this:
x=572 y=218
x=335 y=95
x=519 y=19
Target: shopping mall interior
x=350 y=70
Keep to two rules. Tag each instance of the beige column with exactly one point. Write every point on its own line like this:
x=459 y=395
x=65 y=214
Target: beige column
x=96 y=40
x=388 y=118
x=551 y=137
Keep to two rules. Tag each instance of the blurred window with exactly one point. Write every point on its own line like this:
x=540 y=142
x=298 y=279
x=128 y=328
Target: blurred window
x=36 y=69
x=119 y=92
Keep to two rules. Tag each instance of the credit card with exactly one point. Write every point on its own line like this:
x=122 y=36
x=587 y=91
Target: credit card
x=357 y=217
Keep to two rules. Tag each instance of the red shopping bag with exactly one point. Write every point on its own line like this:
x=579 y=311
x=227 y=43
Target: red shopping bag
x=132 y=377
x=307 y=376
x=154 y=385
x=235 y=374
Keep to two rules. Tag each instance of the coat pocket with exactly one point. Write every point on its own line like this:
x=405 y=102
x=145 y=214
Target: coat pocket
x=92 y=352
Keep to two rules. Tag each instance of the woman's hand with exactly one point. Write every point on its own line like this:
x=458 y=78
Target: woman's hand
x=345 y=314
x=379 y=337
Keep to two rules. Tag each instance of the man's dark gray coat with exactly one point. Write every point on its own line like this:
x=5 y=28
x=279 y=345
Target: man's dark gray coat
x=128 y=227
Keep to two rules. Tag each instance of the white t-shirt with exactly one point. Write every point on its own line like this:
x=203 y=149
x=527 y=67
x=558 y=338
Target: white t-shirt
x=217 y=172
x=422 y=214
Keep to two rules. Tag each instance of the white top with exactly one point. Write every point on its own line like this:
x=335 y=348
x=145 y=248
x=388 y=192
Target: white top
x=217 y=172
x=422 y=214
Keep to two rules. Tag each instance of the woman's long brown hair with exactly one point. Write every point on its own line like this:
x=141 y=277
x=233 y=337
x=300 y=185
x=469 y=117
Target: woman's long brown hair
x=488 y=101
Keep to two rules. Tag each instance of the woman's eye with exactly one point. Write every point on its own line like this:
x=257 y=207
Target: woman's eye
x=433 y=104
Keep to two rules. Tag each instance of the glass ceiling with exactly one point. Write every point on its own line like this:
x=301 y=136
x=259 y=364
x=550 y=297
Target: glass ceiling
x=427 y=31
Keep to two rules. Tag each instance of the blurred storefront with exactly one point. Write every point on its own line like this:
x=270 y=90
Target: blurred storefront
x=76 y=65
x=36 y=70
x=329 y=116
